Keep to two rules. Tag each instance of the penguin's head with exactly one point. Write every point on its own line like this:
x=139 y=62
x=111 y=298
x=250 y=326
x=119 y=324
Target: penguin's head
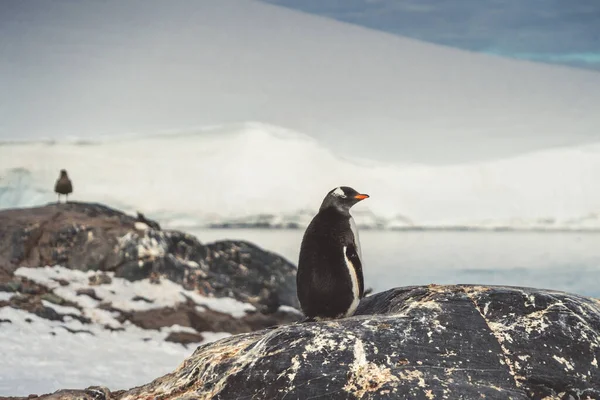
x=342 y=198
x=63 y=172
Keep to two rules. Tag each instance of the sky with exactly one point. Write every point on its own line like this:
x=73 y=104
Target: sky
x=71 y=69
x=554 y=31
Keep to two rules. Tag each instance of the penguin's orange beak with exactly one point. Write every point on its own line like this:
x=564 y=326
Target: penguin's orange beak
x=361 y=196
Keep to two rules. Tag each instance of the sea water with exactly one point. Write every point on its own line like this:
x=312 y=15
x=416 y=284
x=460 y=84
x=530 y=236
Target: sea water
x=566 y=261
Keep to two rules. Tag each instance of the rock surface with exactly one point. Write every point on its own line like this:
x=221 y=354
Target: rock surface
x=435 y=342
x=106 y=245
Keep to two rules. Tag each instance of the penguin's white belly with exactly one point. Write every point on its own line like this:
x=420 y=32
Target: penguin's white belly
x=354 y=282
x=355 y=234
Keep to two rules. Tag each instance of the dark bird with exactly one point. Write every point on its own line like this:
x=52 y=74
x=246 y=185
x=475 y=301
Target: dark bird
x=152 y=224
x=63 y=185
x=330 y=279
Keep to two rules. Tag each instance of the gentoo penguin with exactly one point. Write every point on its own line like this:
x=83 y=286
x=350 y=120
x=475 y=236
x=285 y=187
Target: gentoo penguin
x=330 y=279
x=63 y=185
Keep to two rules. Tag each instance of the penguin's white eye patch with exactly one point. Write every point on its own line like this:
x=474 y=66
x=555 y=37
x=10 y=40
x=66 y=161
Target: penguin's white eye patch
x=339 y=192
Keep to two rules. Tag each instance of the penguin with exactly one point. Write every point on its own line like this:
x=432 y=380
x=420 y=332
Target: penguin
x=63 y=185
x=329 y=280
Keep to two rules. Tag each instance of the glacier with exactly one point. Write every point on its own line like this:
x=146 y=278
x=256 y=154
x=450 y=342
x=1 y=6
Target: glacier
x=86 y=69
x=260 y=175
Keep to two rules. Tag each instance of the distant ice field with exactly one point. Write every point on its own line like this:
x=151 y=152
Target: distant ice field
x=255 y=174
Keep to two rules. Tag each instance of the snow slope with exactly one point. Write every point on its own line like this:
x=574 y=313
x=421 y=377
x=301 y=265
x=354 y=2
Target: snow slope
x=257 y=172
x=41 y=356
x=84 y=69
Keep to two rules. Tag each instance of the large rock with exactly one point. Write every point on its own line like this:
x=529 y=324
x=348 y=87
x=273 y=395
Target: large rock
x=228 y=286
x=87 y=236
x=436 y=342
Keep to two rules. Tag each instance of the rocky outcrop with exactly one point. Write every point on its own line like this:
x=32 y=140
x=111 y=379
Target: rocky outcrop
x=435 y=342
x=87 y=236
x=101 y=245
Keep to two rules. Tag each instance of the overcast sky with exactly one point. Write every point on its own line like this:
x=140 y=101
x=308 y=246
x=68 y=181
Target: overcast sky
x=84 y=69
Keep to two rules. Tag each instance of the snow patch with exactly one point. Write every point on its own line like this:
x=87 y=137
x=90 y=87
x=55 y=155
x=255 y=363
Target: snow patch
x=60 y=348
x=6 y=296
x=289 y=309
x=102 y=351
x=120 y=293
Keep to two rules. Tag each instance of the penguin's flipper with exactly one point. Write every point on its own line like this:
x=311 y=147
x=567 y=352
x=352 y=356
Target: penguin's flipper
x=352 y=255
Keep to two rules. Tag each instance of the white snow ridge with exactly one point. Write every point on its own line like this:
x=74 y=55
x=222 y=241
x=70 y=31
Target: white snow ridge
x=242 y=173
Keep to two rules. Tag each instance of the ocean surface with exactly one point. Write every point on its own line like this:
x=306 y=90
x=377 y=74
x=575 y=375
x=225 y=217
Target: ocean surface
x=553 y=31
x=566 y=261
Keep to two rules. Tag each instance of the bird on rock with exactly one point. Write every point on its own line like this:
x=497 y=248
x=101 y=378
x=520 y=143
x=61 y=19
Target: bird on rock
x=330 y=279
x=63 y=185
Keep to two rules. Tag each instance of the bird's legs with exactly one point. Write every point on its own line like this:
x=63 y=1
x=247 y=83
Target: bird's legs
x=67 y=198
x=58 y=201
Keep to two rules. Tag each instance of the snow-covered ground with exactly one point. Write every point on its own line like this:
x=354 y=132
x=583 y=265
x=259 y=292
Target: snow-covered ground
x=41 y=356
x=261 y=173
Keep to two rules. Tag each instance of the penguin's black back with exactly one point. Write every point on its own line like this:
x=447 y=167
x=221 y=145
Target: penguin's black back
x=323 y=282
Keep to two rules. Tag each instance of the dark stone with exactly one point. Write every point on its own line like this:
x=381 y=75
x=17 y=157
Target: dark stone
x=133 y=271
x=257 y=272
x=47 y=313
x=445 y=342
x=223 y=269
x=112 y=329
x=76 y=235
x=52 y=298
x=142 y=298
x=77 y=330
x=187 y=314
x=5 y=320
x=160 y=317
x=88 y=292
x=61 y=282
x=34 y=305
x=95 y=237
x=99 y=279
x=32 y=289
x=184 y=338
x=12 y=286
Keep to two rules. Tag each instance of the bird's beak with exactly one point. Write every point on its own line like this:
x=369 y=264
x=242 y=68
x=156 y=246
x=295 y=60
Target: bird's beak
x=361 y=196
